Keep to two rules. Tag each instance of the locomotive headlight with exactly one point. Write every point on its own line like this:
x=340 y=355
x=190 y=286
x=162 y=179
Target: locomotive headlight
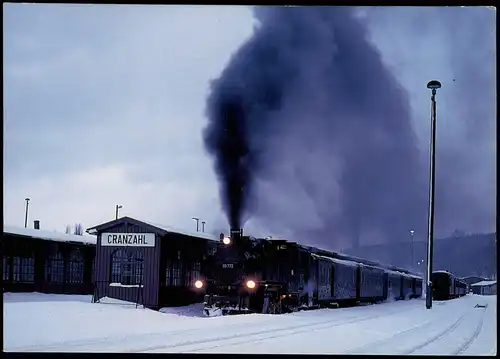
x=250 y=284
x=226 y=240
x=198 y=284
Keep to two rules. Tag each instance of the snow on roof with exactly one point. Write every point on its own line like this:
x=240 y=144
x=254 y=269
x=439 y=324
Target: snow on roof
x=442 y=271
x=484 y=283
x=48 y=235
x=410 y=275
x=396 y=272
x=275 y=238
x=336 y=260
x=211 y=237
x=472 y=277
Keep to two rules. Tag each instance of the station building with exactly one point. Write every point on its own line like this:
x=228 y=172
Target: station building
x=35 y=260
x=149 y=264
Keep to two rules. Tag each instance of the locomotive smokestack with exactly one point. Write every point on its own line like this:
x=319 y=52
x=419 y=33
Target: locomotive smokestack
x=236 y=234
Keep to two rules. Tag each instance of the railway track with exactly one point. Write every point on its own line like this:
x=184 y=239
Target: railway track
x=261 y=335
x=173 y=339
x=430 y=345
x=429 y=337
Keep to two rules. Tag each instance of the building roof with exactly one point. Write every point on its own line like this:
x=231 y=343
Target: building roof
x=484 y=283
x=473 y=277
x=170 y=229
x=154 y=227
x=49 y=235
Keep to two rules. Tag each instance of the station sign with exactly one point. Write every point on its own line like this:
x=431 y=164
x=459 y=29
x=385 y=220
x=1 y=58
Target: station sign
x=128 y=239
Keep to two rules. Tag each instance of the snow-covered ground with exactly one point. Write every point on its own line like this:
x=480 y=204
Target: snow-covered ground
x=59 y=323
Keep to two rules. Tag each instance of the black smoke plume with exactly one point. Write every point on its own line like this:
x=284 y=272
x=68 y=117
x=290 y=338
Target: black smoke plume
x=307 y=108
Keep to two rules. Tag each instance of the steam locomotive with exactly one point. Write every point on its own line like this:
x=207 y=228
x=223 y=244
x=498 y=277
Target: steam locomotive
x=265 y=275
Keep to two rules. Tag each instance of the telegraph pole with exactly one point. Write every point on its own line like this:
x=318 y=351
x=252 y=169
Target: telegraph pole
x=433 y=86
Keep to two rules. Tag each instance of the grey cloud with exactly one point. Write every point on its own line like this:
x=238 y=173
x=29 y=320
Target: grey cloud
x=457 y=46
x=416 y=45
x=107 y=83
x=89 y=85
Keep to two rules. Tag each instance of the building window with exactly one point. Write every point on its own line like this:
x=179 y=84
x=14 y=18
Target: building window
x=193 y=274
x=117 y=257
x=212 y=249
x=138 y=270
x=23 y=269
x=75 y=267
x=127 y=268
x=6 y=268
x=168 y=273
x=54 y=268
x=177 y=274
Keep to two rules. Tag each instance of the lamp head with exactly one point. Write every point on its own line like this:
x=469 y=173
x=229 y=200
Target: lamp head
x=434 y=85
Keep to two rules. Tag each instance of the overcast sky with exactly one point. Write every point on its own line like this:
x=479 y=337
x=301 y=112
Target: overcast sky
x=104 y=105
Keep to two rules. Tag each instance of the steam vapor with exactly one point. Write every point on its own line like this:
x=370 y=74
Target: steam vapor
x=307 y=104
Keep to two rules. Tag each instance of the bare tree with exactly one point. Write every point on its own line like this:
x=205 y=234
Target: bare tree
x=78 y=229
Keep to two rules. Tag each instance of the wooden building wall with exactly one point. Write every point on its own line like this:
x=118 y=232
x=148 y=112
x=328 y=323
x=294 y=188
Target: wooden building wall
x=28 y=263
x=151 y=256
x=184 y=254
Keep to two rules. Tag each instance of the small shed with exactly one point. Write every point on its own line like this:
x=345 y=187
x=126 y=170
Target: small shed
x=148 y=263
x=471 y=280
x=487 y=287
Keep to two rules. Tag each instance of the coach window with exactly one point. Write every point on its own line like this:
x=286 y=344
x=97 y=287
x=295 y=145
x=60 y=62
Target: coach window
x=127 y=268
x=6 y=268
x=54 y=268
x=24 y=269
x=75 y=268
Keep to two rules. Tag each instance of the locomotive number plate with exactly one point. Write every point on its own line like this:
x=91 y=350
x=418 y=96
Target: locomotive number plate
x=228 y=265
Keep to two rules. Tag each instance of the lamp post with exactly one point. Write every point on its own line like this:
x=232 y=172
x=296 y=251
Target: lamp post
x=412 y=232
x=433 y=86
x=26 y=213
x=118 y=206
x=203 y=226
x=197 y=223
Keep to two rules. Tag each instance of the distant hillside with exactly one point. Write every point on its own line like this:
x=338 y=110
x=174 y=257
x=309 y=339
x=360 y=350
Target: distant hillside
x=464 y=255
